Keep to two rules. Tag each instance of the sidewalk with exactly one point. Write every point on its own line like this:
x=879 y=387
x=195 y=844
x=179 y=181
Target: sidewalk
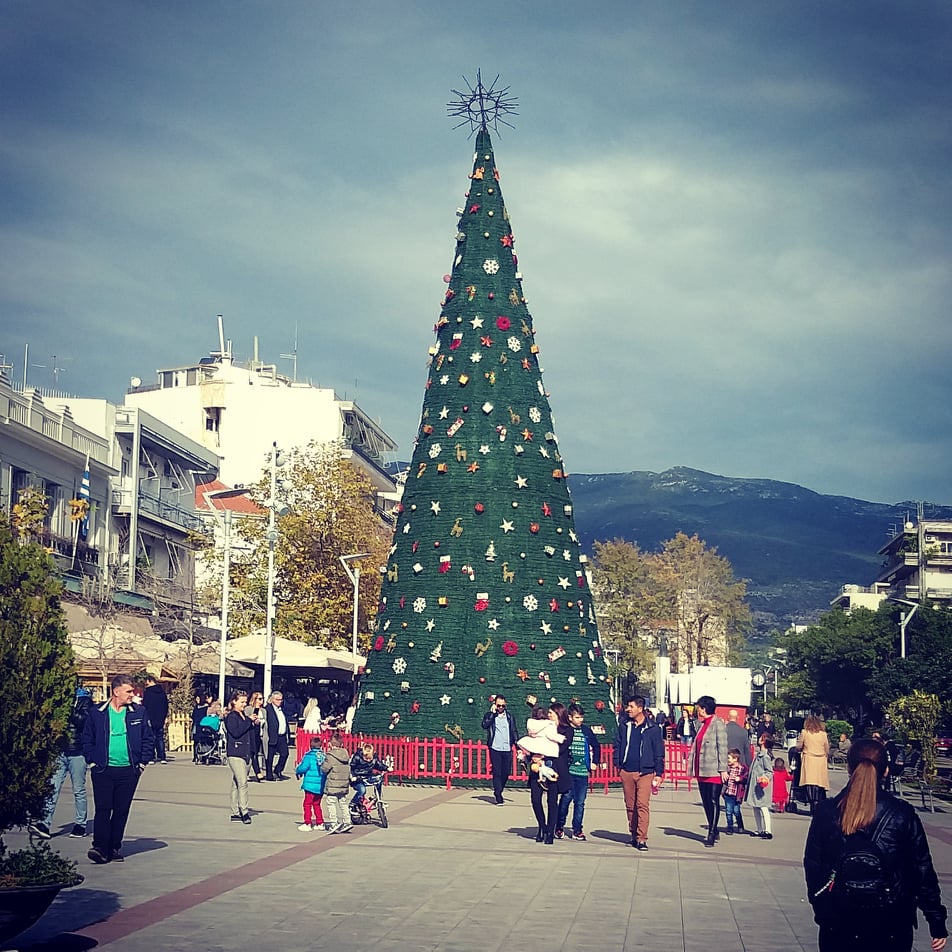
x=454 y=872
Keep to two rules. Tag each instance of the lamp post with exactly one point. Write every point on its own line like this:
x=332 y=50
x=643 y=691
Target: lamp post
x=274 y=510
x=225 y=523
x=354 y=575
x=904 y=619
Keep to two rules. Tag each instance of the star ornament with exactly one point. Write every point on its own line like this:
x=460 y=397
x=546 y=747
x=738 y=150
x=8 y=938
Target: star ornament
x=507 y=241
x=545 y=628
x=477 y=322
x=472 y=468
x=445 y=700
x=521 y=482
x=506 y=525
x=435 y=507
x=482 y=106
x=522 y=674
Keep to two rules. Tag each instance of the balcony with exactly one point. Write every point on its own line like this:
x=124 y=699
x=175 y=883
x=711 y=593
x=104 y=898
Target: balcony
x=157 y=508
x=61 y=547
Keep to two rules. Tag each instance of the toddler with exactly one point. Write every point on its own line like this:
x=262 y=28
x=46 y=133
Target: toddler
x=781 y=777
x=312 y=783
x=734 y=790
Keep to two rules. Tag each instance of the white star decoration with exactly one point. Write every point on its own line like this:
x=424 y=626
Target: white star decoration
x=406 y=528
x=543 y=452
x=435 y=507
x=563 y=582
x=484 y=449
x=431 y=624
x=475 y=356
x=573 y=536
x=521 y=482
x=444 y=413
x=545 y=628
x=477 y=322
x=493 y=624
x=506 y=525
x=444 y=700
x=445 y=379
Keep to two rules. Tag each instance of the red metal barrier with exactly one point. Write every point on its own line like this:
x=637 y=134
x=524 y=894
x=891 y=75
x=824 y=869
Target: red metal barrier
x=433 y=758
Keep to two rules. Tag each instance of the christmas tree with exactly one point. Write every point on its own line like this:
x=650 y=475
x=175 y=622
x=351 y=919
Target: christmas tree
x=485 y=591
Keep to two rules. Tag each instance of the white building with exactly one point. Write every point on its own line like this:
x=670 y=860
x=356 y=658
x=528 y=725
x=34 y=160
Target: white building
x=238 y=410
x=152 y=498
x=860 y=596
x=47 y=448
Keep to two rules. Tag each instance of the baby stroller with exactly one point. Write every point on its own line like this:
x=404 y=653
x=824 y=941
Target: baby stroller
x=209 y=746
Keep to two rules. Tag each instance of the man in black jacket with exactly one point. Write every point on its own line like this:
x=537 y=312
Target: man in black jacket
x=278 y=734
x=117 y=743
x=500 y=736
x=156 y=703
x=639 y=757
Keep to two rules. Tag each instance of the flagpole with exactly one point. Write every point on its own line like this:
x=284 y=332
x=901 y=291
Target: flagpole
x=79 y=523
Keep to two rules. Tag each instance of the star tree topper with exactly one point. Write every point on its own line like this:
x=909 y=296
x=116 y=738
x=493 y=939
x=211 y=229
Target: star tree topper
x=482 y=106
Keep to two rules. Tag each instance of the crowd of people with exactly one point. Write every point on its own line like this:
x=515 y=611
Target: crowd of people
x=863 y=828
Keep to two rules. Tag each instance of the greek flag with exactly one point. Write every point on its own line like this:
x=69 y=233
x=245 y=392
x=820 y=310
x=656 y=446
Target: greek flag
x=84 y=495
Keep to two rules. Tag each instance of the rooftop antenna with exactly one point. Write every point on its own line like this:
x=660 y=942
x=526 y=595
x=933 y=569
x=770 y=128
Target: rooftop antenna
x=54 y=368
x=223 y=353
x=293 y=355
x=4 y=366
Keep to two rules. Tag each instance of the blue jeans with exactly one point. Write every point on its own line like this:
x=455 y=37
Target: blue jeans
x=360 y=787
x=732 y=811
x=75 y=766
x=577 y=792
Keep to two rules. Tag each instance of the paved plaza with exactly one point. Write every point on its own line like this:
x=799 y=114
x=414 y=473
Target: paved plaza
x=453 y=872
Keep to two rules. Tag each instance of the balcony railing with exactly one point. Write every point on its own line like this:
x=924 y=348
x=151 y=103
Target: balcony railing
x=159 y=508
x=87 y=557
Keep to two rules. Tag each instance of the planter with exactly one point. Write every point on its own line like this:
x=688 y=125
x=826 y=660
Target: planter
x=21 y=906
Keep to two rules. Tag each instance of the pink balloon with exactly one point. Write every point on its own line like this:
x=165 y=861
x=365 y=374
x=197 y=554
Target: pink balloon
x=447 y=278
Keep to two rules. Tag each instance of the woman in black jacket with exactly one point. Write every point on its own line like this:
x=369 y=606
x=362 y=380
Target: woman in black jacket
x=239 y=730
x=865 y=818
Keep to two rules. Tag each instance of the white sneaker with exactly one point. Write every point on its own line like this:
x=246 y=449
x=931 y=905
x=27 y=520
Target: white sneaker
x=317 y=828
x=335 y=828
x=346 y=828
x=305 y=827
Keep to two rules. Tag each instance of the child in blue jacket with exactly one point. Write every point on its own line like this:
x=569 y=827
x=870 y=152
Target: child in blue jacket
x=312 y=783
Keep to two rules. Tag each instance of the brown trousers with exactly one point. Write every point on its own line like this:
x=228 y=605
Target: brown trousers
x=637 y=787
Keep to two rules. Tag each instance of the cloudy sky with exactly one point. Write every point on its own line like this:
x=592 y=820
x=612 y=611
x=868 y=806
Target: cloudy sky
x=733 y=220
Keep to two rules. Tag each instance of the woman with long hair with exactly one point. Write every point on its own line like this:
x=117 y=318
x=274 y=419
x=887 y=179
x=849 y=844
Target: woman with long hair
x=238 y=730
x=889 y=828
x=256 y=711
x=813 y=745
x=707 y=763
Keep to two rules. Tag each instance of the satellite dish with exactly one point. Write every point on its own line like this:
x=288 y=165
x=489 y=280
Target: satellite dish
x=135 y=382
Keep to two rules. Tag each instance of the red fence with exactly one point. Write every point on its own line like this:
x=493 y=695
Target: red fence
x=427 y=759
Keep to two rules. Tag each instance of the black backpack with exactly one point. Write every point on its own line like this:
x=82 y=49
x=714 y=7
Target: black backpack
x=858 y=882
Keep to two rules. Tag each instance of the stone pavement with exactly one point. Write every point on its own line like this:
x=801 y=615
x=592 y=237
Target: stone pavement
x=454 y=872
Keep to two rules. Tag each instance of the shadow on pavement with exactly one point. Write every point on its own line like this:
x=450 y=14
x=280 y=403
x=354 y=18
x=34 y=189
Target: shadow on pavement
x=73 y=909
x=142 y=844
x=623 y=838
x=684 y=834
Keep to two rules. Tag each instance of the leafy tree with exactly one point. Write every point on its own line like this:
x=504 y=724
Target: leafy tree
x=917 y=716
x=622 y=583
x=696 y=587
x=331 y=513
x=830 y=664
x=37 y=686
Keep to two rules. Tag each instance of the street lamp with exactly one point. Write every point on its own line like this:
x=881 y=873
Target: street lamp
x=904 y=619
x=354 y=576
x=225 y=522
x=274 y=510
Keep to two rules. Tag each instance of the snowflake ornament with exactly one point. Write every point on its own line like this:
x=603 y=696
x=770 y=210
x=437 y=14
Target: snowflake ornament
x=514 y=344
x=399 y=665
x=530 y=603
x=535 y=414
x=419 y=605
x=435 y=450
x=490 y=266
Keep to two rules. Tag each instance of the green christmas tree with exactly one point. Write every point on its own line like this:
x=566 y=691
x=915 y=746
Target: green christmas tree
x=485 y=591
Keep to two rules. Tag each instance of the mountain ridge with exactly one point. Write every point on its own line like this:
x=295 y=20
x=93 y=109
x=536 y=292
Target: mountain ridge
x=795 y=547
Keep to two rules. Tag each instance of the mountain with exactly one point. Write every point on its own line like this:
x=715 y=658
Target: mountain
x=795 y=547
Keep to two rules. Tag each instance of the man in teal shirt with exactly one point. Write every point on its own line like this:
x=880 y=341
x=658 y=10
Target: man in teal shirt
x=117 y=743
